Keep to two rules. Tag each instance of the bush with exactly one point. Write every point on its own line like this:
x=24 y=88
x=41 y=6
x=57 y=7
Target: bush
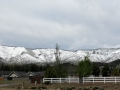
x=18 y=87
x=80 y=89
x=62 y=88
x=73 y=87
x=95 y=88
x=33 y=87
x=47 y=83
x=42 y=87
x=67 y=88
x=101 y=89
x=86 y=89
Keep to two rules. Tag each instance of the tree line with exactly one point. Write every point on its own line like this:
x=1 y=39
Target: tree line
x=24 y=68
x=84 y=68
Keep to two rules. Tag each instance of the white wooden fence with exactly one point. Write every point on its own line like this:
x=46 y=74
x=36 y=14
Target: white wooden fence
x=84 y=80
x=101 y=79
x=61 y=80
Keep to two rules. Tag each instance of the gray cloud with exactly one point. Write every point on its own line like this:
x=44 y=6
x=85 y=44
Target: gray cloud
x=74 y=24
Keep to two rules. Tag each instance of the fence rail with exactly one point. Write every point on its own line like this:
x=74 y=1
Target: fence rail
x=61 y=80
x=84 y=80
x=101 y=79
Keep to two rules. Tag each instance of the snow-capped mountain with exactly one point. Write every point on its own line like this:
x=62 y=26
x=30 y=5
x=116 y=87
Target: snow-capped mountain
x=21 y=55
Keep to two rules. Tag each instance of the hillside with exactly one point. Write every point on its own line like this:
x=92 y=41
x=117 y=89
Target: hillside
x=22 y=55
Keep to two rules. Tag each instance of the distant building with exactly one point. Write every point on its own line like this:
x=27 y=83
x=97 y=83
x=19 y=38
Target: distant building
x=17 y=74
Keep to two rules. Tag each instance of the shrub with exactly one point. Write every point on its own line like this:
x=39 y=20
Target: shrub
x=95 y=88
x=42 y=87
x=86 y=89
x=47 y=83
x=67 y=88
x=72 y=87
x=98 y=88
x=18 y=87
x=33 y=87
x=80 y=89
x=101 y=89
x=62 y=88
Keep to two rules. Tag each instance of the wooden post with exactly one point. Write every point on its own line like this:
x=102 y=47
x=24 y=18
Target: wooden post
x=104 y=79
x=51 y=80
x=22 y=85
x=115 y=80
x=60 y=80
x=35 y=82
x=69 y=79
x=93 y=79
x=43 y=80
x=83 y=80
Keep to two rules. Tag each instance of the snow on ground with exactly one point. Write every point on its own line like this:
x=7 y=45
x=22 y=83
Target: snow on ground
x=24 y=55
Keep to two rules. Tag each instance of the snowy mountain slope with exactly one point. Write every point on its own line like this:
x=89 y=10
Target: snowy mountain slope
x=21 y=55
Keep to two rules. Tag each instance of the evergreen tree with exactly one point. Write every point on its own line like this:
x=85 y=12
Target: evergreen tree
x=85 y=67
x=51 y=73
x=106 y=71
x=95 y=69
x=6 y=68
x=115 y=72
x=40 y=68
x=34 y=67
x=2 y=67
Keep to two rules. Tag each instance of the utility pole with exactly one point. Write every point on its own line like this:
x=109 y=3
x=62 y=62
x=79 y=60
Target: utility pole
x=57 y=62
x=57 y=55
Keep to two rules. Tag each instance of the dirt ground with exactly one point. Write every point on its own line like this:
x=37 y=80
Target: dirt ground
x=88 y=86
x=66 y=86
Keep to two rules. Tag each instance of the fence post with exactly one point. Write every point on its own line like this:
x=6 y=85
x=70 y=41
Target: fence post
x=104 y=79
x=51 y=80
x=80 y=79
x=93 y=79
x=115 y=80
x=69 y=79
x=60 y=80
x=43 y=80
x=83 y=80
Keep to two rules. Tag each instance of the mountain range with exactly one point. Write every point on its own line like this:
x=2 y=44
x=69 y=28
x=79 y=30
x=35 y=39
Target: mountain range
x=22 y=55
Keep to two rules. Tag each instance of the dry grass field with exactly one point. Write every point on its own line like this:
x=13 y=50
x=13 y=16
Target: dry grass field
x=24 y=84
x=64 y=86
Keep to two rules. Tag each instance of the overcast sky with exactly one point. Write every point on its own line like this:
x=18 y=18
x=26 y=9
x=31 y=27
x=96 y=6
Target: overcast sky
x=73 y=24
